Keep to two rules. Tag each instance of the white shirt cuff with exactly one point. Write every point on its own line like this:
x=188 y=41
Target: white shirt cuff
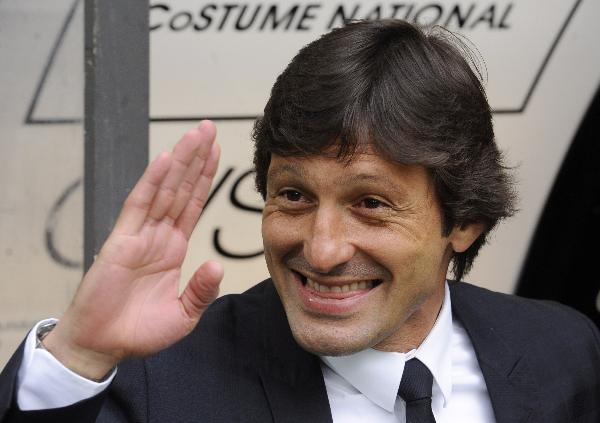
x=43 y=382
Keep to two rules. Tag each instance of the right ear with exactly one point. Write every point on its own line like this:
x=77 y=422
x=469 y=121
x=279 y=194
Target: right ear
x=462 y=237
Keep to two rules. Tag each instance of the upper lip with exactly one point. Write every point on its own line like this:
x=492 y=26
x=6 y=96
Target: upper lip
x=333 y=281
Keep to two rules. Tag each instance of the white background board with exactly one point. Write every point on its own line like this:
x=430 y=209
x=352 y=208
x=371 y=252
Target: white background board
x=542 y=67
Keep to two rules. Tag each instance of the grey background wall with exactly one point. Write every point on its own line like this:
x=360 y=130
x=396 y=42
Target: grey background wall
x=218 y=60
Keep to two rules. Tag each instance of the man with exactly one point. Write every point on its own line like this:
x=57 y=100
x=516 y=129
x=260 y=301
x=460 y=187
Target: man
x=377 y=163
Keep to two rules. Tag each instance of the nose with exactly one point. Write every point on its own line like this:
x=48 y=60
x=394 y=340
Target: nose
x=327 y=244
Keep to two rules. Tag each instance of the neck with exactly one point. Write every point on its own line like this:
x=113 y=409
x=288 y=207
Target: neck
x=418 y=325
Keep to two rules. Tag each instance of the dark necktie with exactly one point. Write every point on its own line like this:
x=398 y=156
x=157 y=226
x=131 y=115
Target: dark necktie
x=415 y=390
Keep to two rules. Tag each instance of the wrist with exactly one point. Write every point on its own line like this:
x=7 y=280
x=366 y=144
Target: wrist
x=85 y=362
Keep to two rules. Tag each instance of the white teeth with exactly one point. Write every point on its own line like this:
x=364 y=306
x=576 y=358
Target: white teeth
x=354 y=286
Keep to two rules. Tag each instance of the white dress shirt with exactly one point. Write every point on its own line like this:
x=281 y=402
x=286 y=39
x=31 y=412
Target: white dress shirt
x=361 y=387
x=43 y=382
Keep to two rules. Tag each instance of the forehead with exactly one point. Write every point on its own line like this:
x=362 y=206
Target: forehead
x=364 y=167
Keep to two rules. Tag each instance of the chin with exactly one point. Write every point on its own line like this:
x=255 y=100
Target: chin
x=331 y=340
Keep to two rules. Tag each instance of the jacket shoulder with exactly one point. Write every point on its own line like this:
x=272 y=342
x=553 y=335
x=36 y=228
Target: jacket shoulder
x=526 y=322
x=547 y=349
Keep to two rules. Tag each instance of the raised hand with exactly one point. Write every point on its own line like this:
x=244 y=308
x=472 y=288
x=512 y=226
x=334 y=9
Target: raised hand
x=128 y=303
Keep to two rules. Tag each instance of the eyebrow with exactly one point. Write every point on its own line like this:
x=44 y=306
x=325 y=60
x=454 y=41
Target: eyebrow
x=299 y=172
x=380 y=180
x=278 y=171
x=367 y=177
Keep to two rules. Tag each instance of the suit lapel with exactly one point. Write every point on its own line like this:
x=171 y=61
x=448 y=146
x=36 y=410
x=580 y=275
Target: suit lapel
x=509 y=380
x=291 y=377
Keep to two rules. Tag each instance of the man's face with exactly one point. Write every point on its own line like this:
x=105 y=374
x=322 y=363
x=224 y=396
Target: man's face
x=355 y=250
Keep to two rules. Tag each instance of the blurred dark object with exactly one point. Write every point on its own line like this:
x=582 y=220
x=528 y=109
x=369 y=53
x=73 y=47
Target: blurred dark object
x=563 y=263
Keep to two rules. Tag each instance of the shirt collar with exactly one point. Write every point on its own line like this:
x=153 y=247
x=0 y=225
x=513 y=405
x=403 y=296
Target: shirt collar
x=436 y=350
x=377 y=374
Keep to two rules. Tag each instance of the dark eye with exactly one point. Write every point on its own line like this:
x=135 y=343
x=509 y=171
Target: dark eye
x=372 y=203
x=292 y=195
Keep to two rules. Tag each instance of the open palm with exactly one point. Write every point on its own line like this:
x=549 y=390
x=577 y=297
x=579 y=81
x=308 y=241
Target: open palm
x=128 y=303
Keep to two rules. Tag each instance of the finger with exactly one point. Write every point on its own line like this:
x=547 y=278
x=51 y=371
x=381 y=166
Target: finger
x=202 y=289
x=139 y=201
x=193 y=209
x=183 y=155
x=188 y=183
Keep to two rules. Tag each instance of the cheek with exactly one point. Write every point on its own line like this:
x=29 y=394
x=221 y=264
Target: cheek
x=272 y=250
x=412 y=261
x=279 y=236
x=395 y=249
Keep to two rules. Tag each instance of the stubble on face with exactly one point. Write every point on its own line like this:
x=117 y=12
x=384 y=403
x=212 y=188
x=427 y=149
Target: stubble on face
x=329 y=224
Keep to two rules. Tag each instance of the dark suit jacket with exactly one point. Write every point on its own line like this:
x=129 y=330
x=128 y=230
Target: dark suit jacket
x=540 y=360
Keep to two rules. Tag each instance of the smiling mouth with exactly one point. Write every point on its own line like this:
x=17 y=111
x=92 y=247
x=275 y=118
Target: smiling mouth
x=350 y=287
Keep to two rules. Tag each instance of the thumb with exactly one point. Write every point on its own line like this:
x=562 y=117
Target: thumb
x=202 y=289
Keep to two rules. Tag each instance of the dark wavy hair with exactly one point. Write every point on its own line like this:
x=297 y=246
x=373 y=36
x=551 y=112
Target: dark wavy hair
x=414 y=95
